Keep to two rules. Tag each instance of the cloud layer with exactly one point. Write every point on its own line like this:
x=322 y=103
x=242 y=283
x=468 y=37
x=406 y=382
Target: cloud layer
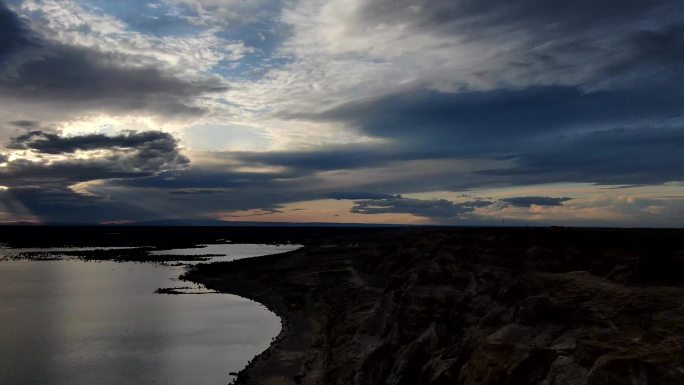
x=440 y=111
x=53 y=160
x=39 y=71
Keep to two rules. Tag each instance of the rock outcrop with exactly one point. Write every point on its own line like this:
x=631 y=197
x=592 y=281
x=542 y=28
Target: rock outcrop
x=473 y=306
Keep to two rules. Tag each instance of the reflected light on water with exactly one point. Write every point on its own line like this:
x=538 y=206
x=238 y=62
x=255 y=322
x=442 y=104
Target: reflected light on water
x=74 y=322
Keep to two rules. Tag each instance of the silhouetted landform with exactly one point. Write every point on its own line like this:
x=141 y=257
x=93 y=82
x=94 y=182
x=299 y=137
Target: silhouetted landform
x=170 y=237
x=470 y=306
x=406 y=306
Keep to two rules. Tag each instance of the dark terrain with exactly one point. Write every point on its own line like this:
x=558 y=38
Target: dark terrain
x=471 y=306
x=407 y=306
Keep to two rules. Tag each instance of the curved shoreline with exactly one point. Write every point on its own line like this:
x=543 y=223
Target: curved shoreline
x=30 y=287
x=242 y=376
x=290 y=347
x=474 y=306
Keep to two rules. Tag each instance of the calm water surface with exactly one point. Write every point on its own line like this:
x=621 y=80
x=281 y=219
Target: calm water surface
x=73 y=322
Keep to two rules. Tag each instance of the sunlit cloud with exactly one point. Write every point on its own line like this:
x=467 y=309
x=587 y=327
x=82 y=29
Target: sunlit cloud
x=441 y=112
x=324 y=210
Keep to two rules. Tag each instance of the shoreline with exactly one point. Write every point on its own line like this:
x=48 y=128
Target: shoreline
x=481 y=306
x=442 y=306
x=297 y=321
x=228 y=331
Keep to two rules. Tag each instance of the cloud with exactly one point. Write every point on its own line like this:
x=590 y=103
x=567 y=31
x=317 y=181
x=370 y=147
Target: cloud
x=247 y=189
x=258 y=212
x=224 y=12
x=376 y=167
x=38 y=70
x=534 y=200
x=201 y=191
x=14 y=36
x=635 y=156
x=53 y=160
x=344 y=50
x=485 y=121
x=438 y=15
x=553 y=134
x=440 y=208
x=53 y=143
x=161 y=39
x=332 y=157
x=651 y=54
x=357 y=195
x=25 y=123
x=63 y=205
x=357 y=100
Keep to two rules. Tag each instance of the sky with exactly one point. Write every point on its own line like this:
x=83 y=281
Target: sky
x=449 y=112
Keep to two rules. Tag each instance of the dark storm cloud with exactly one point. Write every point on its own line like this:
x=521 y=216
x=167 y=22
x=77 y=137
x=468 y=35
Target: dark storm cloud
x=62 y=205
x=592 y=91
x=641 y=156
x=535 y=200
x=25 y=123
x=3 y=158
x=550 y=16
x=14 y=36
x=555 y=134
x=256 y=190
x=308 y=169
x=128 y=155
x=596 y=96
x=440 y=208
x=38 y=70
x=357 y=195
x=335 y=157
x=660 y=47
x=28 y=173
x=53 y=143
x=211 y=189
x=477 y=122
x=201 y=191
x=203 y=178
x=589 y=41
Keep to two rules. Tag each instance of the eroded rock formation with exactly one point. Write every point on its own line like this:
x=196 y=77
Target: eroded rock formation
x=475 y=306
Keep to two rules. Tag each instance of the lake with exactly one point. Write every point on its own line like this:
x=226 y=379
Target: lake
x=74 y=322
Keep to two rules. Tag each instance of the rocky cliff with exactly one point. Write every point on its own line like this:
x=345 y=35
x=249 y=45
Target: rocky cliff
x=471 y=306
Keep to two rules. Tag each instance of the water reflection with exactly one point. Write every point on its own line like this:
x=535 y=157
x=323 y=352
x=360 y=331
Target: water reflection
x=73 y=322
